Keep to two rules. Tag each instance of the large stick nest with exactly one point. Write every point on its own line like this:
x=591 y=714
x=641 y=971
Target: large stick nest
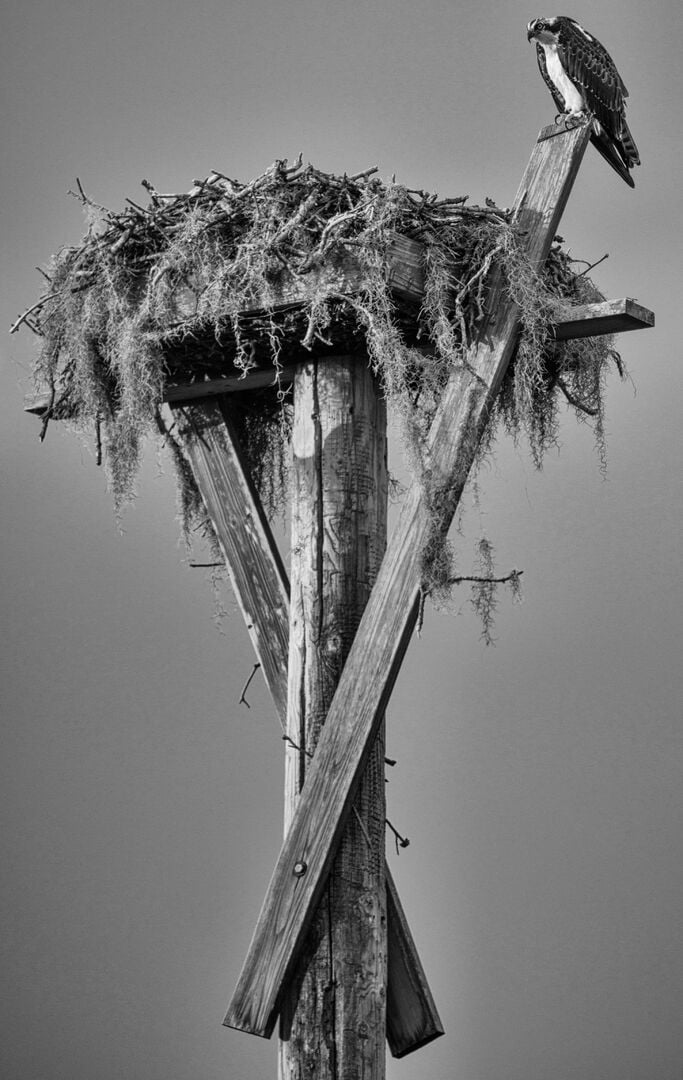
x=157 y=294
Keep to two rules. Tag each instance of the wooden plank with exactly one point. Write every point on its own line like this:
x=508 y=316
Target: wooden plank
x=37 y=404
x=551 y=131
x=588 y=320
x=257 y=379
x=412 y=1017
x=608 y=317
x=177 y=393
x=333 y=1014
x=258 y=578
x=405 y=269
x=214 y=454
x=387 y=624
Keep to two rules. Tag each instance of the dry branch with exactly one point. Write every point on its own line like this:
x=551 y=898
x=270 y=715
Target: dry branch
x=189 y=288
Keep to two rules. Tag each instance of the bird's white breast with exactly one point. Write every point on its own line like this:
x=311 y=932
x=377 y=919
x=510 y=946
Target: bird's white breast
x=573 y=98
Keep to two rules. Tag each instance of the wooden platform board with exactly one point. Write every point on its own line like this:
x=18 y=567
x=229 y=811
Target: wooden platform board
x=589 y=320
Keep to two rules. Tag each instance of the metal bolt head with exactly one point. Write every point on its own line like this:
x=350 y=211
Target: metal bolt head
x=300 y=868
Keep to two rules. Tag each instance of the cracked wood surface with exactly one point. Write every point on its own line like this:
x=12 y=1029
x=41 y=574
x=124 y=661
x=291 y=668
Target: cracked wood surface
x=333 y=1011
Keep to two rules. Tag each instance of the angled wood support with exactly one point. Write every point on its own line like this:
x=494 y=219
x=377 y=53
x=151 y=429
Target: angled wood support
x=212 y=447
x=253 y=561
x=389 y=619
x=412 y=1019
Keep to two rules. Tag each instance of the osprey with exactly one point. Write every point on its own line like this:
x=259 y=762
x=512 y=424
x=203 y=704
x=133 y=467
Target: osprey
x=585 y=84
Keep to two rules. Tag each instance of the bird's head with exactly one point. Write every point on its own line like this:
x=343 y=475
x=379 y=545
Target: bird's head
x=543 y=30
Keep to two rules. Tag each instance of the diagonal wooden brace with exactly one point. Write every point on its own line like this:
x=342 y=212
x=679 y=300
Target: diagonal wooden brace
x=389 y=618
x=257 y=574
x=260 y=584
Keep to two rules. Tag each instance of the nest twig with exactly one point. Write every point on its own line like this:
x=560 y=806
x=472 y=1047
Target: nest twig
x=158 y=292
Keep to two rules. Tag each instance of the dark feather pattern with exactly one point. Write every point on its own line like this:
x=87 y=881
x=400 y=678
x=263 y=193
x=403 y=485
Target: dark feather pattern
x=591 y=69
x=560 y=104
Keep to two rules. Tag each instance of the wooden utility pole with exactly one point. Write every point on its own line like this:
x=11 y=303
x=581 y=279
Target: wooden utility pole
x=333 y=1016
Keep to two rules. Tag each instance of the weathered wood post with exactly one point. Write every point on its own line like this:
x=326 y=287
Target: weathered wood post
x=333 y=1016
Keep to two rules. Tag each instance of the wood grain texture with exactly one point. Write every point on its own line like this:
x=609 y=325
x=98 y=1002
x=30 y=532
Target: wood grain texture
x=333 y=1011
x=389 y=618
x=608 y=317
x=214 y=454
x=256 y=573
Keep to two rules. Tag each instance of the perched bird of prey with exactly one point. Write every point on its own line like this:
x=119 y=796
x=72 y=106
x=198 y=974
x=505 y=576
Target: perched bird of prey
x=585 y=84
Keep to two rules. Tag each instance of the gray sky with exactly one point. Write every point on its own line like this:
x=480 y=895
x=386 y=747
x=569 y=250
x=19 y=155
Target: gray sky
x=539 y=781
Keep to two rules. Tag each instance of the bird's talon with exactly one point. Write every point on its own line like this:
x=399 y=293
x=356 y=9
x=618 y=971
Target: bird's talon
x=574 y=120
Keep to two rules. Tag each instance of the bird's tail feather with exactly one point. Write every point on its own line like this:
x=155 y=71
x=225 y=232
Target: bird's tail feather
x=609 y=151
x=630 y=149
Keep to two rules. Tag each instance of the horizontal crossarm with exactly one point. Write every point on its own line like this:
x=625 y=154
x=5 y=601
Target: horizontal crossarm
x=586 y=320
x=260 y=584
x=607 y=317
x=389 y=618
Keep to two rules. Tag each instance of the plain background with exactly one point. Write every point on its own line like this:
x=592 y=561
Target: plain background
x=539 y=780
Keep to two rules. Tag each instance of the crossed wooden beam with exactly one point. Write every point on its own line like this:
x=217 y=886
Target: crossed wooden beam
x=366 y=683
x=261 y=587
